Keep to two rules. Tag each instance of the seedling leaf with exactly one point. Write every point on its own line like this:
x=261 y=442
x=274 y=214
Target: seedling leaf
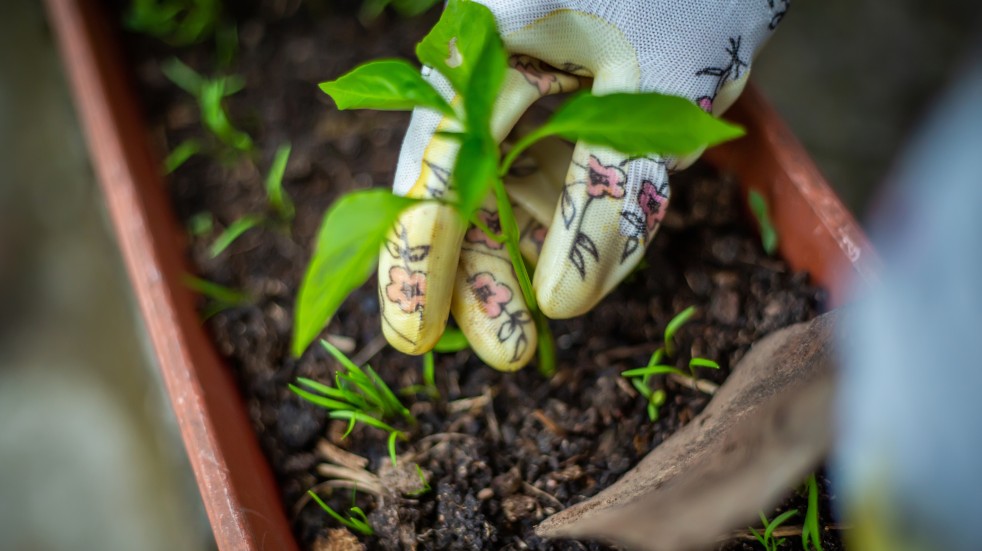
x=184 y=151
x=676 y=127
x=279 y=200
x=346 y=254
x=387 y=85
x=475 y=172
x=452 y=340
x=456 y=43
x=652 y=370
x=810 y=531
x=768 y=235
x=702 y=362
x=673 y=326
x=216 y=292
x=183 y=76
x=233 y=232
x=361 y=526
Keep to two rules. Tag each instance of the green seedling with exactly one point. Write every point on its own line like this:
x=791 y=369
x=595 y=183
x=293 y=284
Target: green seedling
x=641 y=376
x=277 y=199
x=201 y=224
x=810 y=531
x=359 y=524
x=234 y=231
x=355 y=227
x=177 y=22
x=452 y=340
x=359 y=395
x=220 y=298
x=768 y=235
x=211 y=93
x=424 y=484
x=180 y=154
x=766 y=538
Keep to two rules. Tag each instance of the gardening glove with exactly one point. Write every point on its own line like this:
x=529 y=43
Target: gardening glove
x=610 y=205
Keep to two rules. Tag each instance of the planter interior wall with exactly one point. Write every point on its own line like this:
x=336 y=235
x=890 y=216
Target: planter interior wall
x=818 y=235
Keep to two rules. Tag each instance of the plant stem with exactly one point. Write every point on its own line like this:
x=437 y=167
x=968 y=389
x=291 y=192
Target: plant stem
x=496 y=237
x=511 y=234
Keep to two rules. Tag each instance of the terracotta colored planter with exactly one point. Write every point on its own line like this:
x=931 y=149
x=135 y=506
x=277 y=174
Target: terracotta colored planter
x=236 y=483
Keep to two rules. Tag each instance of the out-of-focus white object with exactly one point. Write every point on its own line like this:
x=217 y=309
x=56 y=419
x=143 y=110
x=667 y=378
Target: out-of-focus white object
x=909 y=460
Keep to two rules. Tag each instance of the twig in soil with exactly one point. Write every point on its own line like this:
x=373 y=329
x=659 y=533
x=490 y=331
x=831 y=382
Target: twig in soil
x=343 y=343
x=623 y=352
x=702 y=385
x=365 y=480
x=334 y=454
x=543 y=494
x=373 y=347
x=493 y=426
x=782 y=532
x=548 y=423
x=468 y=404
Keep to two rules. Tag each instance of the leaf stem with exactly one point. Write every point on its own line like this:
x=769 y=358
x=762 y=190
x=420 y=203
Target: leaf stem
x=523 y=143
x=496 y=237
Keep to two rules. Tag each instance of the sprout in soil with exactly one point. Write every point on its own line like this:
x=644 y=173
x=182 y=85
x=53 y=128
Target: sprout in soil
x=768 y=234
x=356 y=226
x=810 y=531
x=220 y=298
x=211 y=93
x=766 y=537
x=359 y=395
x=359 y=524
x=276 y=199
x=641 y=376
x=177 y=22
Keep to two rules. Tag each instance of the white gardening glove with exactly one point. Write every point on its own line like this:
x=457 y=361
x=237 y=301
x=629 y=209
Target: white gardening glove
x=611 y=205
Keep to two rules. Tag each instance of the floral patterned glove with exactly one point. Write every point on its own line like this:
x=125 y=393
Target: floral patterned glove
x=610 y=205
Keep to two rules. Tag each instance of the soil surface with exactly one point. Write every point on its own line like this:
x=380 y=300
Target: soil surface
x=500 y=451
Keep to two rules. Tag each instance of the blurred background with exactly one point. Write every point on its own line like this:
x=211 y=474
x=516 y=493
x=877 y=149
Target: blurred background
x=90 y=455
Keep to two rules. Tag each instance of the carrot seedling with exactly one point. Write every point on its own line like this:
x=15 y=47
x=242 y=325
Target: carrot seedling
x=359 y=395
x=810 y=531
x=768 y=234
x=359 y=524
x=220 y=298
x=766 y=537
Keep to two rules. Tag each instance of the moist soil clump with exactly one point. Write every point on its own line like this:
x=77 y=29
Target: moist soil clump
x=499 y=451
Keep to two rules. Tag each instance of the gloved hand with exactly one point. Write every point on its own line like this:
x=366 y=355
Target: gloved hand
x=610 y=206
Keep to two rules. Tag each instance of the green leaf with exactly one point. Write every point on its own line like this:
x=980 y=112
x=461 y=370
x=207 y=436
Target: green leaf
x=321 y=401
x=216 y=292
x=214 y=117
x=389 y=85
x=452 y=340
x=474 y=172
x=412 y=8
x=345 y=255
x=651 y=370
x=458 y=40
x=360 y=526
x=768 y=235
x=634 y=124
x=774 y=524
x=810 y=530
x=392 y=447
x=183 y=76
x=703 y=362
x=673 y=326
x=233 y=232
x=201 y=223
x=280 y=202
x=184 y=151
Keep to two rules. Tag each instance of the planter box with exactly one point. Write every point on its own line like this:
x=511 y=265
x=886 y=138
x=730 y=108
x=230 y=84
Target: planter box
x=817 y=235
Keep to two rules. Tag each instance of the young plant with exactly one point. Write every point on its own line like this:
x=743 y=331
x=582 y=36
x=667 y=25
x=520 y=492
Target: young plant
x=346 y=253
x=766 y=538
x=810 y=531
x=359 y=524
x=768 y=235
x=641 y=376
x=359 y=395
x=277 y=199
x=424 y=484
x=177 y=22
x=220 y=298
x=211 y=94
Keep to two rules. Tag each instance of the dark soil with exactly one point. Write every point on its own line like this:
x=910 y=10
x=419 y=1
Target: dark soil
x=501 y=451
